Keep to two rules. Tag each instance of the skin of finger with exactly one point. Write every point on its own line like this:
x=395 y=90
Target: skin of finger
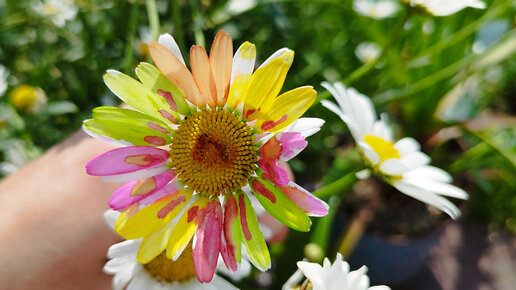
x=52 y=230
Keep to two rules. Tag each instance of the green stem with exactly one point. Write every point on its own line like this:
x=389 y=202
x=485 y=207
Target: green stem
x=365 y=68
x=197 y=23
x=178 y=28
x=340 y=185
x=492 y=145
x=152 y=13
x=131 y=32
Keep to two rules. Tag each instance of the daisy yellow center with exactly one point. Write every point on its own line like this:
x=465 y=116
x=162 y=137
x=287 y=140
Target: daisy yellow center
x=383 y=148
x=166 y=270
x=213 y=152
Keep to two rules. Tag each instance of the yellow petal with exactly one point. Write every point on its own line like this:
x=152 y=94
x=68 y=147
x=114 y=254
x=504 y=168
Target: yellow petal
x=201 y=70
x=287 y=108
x=185 y=229
x=176 y=72
x=154 y=244
x=153 y=217
x=265 y=84
x=221 y=57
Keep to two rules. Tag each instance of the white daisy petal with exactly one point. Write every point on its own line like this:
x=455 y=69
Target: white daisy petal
x=369 y=153
x=407 y=145
x=334 y=276
x=393 y=167
x=123 y=277
x=114 y=266
x=429 y=172
x=382 y=129
x=415 y=159
x=306 y=126
x=428 y=197
x=124 y=248
x=363 y=174
x=438 y=187
x=313 y=272
x=219 y=283
x=111 y=216
x=169 y=42
x=243 y=64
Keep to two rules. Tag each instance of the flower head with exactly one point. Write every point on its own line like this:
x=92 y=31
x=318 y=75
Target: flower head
x=225 y=128
x=28 y=98
x=377 y=9
x=330 y=276
x=159 y=273
x=444 y=7
x=400 y=163
x=58 y=11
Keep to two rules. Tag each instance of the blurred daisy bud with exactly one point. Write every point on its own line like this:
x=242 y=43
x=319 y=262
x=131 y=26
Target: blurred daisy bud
x=377 y=9
x=28 y=98
x=444 y=7
x=368 y=52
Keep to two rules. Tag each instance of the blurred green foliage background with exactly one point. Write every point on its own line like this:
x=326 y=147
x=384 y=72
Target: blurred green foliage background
x=446 y=81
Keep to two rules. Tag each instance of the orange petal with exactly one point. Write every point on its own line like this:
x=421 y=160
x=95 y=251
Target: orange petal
x=201 y=70
x=221 y=57
x=176 y=72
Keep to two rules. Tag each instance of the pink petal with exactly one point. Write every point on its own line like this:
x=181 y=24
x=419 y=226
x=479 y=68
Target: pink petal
x=228 y=245
x=126 y=160
x=291 y=144
x=207 y=244
x=305 y=200
x=135 y=191
x=273 y=172
x=169 y=188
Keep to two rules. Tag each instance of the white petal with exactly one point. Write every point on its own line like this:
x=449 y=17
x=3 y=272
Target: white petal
x=274 y=56
x=294 y=280
x=355 y=278
x=241 y=65
x=116 y=265
x=357 y=107
x=437 y=187
x=222 y=284
x=306 y=126
x=428 y=197
x=380 y=287
x=415 y=159
x=111 y=216
x=313 y=272
x=369 y=153
x=393 y=166
x=125 y=248
x=407 y=145
x=382 y=129
x=363 y=174
x=169 y=42
x=123 y=277
x=429 y=172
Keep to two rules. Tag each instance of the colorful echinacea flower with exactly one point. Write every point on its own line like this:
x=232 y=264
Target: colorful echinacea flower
x=160 y=273
x=330 y=276
x=224 y=128
x=400 y=164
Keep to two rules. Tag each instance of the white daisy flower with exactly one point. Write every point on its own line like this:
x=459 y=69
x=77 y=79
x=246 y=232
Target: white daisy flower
x=368 y=52
x=160 y=273
x=377 y=9
x=445 y=7
x=4 y=73
x=58 y=11
x=400 y=163
x=330 y=277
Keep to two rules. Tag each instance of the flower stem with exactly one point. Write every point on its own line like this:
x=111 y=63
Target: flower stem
x=365 y=68
x=131 y=31
x=340 y=185
x=178 y=28
x=152 y=13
